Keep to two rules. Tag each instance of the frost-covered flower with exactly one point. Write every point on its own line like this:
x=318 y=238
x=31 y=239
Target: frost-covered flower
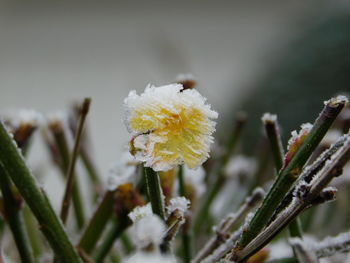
x=149 y=231
x=170 y=126
x=140 y=212
x=122 y=172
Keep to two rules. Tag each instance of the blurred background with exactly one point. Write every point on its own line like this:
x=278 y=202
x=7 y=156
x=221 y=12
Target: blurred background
x=285 y=57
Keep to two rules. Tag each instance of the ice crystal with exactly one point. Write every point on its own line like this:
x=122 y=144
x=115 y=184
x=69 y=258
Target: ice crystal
x=169 y=127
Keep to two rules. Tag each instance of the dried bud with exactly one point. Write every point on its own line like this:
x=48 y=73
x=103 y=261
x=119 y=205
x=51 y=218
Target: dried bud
x=186 y=80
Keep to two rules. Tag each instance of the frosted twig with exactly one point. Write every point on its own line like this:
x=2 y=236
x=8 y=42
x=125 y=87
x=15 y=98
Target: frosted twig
x=225 y=226
x=299 y=203
x=288 y=175
x=331 y=245
x=303 y=252
x=70 y=173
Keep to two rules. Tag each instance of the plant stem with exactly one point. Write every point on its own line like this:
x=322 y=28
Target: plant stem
x=154 y=192
x=33 y=232
x=186 y=234
x=70 y=175
x=224 y=229
x=14 y=218
x=25 y=182
x=97 y=223
x=274 y=136
x=118 y=227
x=322 y=176
x=288 y=175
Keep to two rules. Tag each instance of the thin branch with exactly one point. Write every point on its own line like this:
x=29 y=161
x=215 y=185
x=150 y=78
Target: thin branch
x=303 y=252
x=70 y=175
x=222 y=232
x=186 y=234
x=97 y=223
x=304 y=196
x=274 y=136
x=288 y=176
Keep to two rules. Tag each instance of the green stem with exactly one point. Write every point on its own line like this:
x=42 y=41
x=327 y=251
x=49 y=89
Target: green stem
x=33 y=232
x=71 y=167
x=127 y=243
x=97 y=223
x=154 y=192
x=14 y=218
x=117 y=228
x=295 y=228
x=274 y=136
x=25 y=182
x=186 y=230
x=288 y=176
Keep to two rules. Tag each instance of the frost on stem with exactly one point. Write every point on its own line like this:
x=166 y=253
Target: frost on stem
x=269 y=118
x=140 y=212
x=179 y=204
x=169 y=127
x=122 y=172
x=334 y=102
x=296 y=141
x=331 y=245
x=22 y=124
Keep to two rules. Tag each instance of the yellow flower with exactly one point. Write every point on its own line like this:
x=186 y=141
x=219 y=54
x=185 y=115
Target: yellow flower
x=170 y=126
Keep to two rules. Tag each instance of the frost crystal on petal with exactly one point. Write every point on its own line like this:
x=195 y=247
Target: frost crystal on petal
x=140 y=212
x=169 y=126
x=122 y=172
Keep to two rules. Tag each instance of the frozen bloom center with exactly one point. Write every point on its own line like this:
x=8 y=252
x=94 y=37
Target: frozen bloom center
x=170 y=127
